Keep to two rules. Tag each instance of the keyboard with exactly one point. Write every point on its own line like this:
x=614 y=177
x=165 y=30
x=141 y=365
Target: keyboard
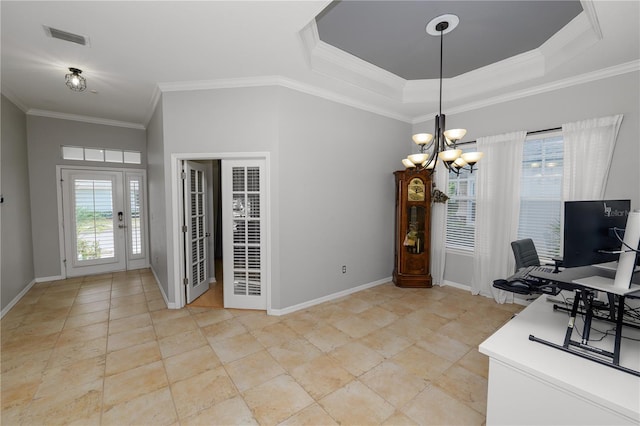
x=535 y=284
x=524 y=274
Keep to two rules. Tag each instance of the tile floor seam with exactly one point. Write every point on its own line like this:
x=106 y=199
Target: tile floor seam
x=173 y=399
x=222 y=365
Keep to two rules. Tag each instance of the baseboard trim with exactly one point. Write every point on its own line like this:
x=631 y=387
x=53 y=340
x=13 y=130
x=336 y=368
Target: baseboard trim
x=328 y=298
x=164 y=296
x=456 y=285
x=47 y=279
x=17 y=298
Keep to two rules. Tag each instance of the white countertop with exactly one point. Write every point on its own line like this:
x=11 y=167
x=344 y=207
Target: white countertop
x=603 y=385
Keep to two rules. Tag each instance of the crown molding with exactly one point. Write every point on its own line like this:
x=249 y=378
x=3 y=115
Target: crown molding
x=345 y=100
x=153 y=103
x=613 y=71
x=519 y=68
x=275 y=80
x=590 y=10
x=225 y=83
x=84 y=119
x=574 y=38
x=332 y=62
x=15 y=100
x=633 y=66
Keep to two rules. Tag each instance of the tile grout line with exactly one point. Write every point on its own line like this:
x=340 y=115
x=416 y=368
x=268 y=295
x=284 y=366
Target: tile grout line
x=106 y=352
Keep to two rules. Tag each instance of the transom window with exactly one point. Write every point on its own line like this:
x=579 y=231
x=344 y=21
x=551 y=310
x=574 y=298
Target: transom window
x=101 y=155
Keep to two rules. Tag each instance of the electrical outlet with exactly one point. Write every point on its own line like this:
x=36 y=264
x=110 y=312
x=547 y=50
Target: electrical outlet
x=344 y=269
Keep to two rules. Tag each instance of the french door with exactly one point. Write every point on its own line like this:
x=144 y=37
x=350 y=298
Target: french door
x=103 y=220
x=243 y=234
x=194 y=228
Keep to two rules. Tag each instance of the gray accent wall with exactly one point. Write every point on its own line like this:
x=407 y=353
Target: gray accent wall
x=15 y=219
x=331 y=180
x=610 y=96
x=45 y=137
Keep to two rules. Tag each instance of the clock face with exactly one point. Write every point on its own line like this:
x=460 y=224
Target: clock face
x=416 y=190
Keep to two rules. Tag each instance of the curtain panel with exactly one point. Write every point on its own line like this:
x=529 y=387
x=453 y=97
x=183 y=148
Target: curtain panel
x=439 y=228
x=588 y=150
x=497 y=211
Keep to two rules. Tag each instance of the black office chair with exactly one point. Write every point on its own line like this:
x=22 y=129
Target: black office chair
x=525 y=253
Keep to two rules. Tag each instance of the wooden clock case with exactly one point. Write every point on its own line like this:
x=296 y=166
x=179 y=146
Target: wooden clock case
x=412 y=229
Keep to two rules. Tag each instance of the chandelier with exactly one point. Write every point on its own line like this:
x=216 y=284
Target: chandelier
x=441 y=144
x=75 y=81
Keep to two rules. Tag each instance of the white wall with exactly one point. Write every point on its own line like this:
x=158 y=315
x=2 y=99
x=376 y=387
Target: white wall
x=332 y=197
x=17 y=270
x=614 y=95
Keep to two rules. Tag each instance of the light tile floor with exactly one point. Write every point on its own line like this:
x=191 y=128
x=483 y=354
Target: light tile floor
x=105 y=350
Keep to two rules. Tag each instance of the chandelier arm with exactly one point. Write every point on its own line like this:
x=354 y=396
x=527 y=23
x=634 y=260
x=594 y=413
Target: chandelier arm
x=433 y=157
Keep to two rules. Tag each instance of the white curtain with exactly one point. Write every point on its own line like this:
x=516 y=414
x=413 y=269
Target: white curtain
x=439 y=227
x=497 y=211
x=588 y=149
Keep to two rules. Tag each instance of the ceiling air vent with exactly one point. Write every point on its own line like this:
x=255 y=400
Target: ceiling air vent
x=66 y=36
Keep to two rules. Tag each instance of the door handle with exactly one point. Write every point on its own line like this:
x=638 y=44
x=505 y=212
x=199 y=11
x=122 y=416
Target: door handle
x=122 y=226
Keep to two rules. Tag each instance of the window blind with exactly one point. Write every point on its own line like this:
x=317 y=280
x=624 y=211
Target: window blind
x=541 y=193
x=461 y=209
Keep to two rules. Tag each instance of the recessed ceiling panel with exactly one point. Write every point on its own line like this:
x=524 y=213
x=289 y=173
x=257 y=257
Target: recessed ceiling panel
x=392 y=36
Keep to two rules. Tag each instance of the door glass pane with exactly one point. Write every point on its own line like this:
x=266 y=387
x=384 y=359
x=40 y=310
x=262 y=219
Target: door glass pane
x=91 y=154
x=135 y=225
x=112 y=156
x=94 y=219
x=72 y=153
x=132 y=157
x=414 y=238
x=197 y=235
x=247 y=216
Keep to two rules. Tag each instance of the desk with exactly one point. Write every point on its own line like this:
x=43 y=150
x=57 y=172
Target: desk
x=567 y=277
x=586 y=282
x=530 y=383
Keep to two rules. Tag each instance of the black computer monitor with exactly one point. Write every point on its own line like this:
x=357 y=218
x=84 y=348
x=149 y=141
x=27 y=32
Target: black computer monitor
x=588 y=235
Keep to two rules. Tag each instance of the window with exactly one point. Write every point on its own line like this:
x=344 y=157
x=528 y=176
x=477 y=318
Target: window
x=101 y=155
x=461 y=209
x=540 y=198
x=541 y=193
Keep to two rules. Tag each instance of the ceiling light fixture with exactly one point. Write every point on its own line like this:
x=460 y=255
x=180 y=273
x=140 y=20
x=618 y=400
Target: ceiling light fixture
x=75 y=81
x=442 y=144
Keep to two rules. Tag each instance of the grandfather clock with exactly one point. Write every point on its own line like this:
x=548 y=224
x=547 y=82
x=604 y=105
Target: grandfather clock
x=413 y=229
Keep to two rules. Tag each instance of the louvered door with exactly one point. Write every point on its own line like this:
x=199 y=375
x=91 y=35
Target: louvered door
x=195 y=192
x=243 y=234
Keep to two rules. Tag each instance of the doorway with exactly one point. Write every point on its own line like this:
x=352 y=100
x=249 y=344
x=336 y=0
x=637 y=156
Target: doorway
x=243 y=211
x=104 y=220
